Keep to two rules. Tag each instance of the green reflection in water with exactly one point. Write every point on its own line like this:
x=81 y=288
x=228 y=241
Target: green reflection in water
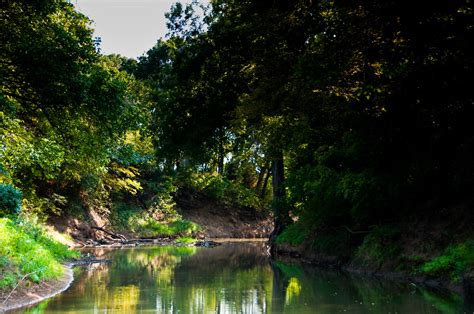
x=232 y=278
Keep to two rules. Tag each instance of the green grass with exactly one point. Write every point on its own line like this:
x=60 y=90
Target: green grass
x=180 y=227
x=455 y=260
x=26 y=249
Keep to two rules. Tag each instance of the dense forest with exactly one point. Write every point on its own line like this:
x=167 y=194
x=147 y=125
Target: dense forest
x=350 y=122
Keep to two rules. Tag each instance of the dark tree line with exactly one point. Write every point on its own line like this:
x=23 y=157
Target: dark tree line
x=363 y=108
x=355 y=112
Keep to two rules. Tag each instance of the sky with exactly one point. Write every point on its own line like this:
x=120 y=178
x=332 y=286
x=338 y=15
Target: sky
x=126 y=27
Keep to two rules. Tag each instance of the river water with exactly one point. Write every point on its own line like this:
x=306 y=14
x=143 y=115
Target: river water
x=236 y=277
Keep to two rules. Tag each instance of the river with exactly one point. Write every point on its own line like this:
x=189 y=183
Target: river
x=236 y=277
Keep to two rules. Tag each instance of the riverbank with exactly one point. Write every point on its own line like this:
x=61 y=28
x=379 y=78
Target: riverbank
x=28 y=294
x=299 y=254
x=31 y=263
x=435 y=248
x=197 y=216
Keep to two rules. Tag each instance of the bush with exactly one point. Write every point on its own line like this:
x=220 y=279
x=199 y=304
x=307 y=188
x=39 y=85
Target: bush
x=336 y=242
x=294 y=234
x=379 y=246
x=10 y=200
x=455 y=260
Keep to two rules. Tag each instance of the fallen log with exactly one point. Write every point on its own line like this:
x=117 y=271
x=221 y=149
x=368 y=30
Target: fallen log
x=112 y=234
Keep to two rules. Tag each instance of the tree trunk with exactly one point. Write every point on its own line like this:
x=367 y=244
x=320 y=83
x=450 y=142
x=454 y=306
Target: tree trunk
x=280 y=210
x=261 y=176
x=265 y=183
x=220 y=162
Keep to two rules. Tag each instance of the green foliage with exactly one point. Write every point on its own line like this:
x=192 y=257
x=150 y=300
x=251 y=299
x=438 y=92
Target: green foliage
x=31 y=251
x=8 y=279
x=122 y=179
x=126 y=155
x=36 y=231
x=294 y=234
x=226 y=191
x=328 y=194
x=65 y=109
x=8 y=273
x=379 y=246
x=335 y=242
x=10 y=200
x=122 y=214
x=455 y=260
x=44 y=206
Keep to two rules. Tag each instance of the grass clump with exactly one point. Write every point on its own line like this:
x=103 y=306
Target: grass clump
x=455 y=260
x=294 y=234
x=180 y=227
x=26 y=249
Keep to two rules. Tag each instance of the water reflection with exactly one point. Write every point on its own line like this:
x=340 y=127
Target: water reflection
x=233 y=278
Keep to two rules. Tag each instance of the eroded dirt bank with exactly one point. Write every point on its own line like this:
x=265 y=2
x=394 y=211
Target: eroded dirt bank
x=221 y=221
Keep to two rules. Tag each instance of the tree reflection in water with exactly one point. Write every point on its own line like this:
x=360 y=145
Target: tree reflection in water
x=232 y=278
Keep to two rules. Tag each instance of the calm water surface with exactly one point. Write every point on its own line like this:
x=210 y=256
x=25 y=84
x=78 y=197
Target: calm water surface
x=232 y=278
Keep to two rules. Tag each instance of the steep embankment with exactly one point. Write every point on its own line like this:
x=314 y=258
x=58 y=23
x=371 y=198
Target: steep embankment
x=223 y=221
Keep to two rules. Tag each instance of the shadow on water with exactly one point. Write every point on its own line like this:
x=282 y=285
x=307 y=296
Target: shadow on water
x=232 y=278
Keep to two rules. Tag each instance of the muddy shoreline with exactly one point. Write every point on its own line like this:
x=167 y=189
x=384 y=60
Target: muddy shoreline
x=26 y=296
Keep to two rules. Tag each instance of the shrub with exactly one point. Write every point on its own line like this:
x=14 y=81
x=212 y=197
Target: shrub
x=453 y=262
x=379 y=246
x=8 y=279
x=10 y=200
x=294 y=234
x=336 y=241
